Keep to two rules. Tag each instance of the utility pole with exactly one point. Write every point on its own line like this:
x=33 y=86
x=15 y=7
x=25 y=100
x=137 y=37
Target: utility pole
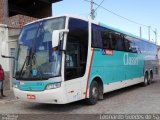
x=92 y=10
x=140 y=32
x=155 y=35
x=149 y=33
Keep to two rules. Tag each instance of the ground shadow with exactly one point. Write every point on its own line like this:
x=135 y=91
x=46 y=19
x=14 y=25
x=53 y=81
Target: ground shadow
x=56 y=108
x=126 y=89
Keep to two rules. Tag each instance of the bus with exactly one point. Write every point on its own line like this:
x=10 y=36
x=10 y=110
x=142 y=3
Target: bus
x=65 y=59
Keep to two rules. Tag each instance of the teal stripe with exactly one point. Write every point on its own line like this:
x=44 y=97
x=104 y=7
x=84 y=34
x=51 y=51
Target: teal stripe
x=116 y=67
x=31 y=85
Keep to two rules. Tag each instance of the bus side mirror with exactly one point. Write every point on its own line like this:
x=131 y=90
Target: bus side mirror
x=57 y=38
x=4 y=50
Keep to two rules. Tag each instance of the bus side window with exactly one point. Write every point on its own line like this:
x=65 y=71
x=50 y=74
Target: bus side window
x=106 y=38
x=127 y=45
x=117 y=41
x=76 y=49
x=71 y=55
x=96 y=36
x=130 y=45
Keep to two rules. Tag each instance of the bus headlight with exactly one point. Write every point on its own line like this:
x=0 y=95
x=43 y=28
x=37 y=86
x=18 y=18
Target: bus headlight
x=53 y=86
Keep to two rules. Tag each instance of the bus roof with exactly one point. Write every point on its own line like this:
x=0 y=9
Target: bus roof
x=94 y=22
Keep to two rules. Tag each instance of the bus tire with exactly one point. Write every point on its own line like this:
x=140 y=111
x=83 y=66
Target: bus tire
x=145 y=83
x=150 y=78
x=93 y=94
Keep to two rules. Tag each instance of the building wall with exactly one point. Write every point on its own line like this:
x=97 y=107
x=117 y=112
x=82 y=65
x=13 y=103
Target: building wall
x=1 y=11
x=4 y=37
x=18 y=21
x=12 y=44
x=3 y=61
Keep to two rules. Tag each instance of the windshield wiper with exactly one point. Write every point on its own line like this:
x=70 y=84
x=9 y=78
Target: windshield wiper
x=23 y=66
x=27 y=62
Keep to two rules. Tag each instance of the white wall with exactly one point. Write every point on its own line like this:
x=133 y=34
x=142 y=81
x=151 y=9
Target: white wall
x=4 y=37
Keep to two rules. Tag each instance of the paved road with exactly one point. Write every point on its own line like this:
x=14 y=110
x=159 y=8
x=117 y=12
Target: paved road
x=132 y=100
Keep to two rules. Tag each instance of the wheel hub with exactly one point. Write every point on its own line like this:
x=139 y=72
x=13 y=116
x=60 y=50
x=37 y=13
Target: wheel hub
x=95 y=92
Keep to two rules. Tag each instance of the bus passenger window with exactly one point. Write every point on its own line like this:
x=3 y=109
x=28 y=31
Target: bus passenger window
x=76 y=49
x=106 y=38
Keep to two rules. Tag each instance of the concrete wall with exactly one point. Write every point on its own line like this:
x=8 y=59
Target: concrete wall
x=3 y=11
x=4 y=37
x=3 y=61
x=13 y=35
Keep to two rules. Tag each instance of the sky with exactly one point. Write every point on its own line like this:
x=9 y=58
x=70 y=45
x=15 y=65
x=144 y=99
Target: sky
x=146 y=12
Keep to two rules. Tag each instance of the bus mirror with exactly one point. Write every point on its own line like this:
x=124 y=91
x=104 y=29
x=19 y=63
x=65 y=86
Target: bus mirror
x=57 y=36
x=4 y=49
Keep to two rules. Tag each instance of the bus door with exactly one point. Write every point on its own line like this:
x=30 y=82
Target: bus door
x=75 y=58
x=72 y=72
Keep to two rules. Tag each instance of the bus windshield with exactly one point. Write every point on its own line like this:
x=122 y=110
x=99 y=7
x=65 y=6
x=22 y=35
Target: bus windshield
x=35 y=58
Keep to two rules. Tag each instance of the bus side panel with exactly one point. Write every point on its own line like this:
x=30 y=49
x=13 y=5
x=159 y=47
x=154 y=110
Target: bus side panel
x=118 y=67
x=151 y=59
x=151 y=65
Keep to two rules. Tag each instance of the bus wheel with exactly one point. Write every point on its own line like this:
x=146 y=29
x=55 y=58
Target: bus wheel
x=145 y=83
x=93 y=94
x=150 y=78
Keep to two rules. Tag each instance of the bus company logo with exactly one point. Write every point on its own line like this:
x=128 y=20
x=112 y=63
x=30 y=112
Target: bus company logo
x=127 y=60
x=107 y=52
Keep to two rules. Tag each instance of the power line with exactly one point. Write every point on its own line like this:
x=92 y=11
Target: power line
x=125 y=18
x=93 y=11
x=99 y=5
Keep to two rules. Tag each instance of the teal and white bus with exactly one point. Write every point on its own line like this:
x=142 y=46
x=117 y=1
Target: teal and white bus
x=65 y=59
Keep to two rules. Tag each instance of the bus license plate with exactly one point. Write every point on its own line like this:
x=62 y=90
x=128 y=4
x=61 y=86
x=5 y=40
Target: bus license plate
x=31 y=97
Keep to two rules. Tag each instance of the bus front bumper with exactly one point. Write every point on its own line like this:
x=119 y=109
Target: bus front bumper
x=53 y=96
